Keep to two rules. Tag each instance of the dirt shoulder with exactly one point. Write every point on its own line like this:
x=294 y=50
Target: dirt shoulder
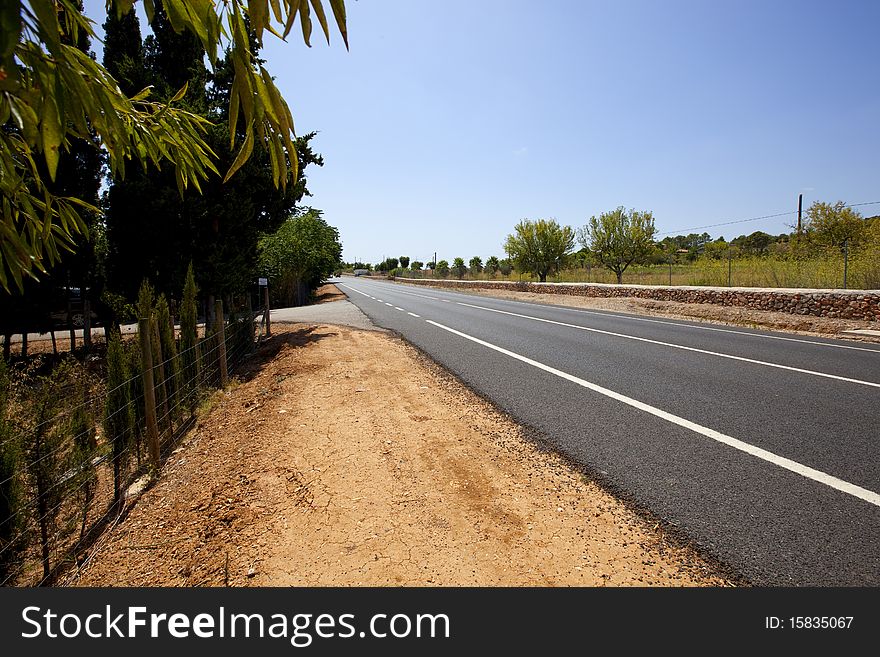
x=343 y=457
x=703 y=312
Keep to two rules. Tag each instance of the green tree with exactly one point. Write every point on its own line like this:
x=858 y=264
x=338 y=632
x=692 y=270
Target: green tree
x=442 y=268
x=189 y=354
x=152 y=229
x=404 y=262
x=476 y=265
x=505 y=266
x=835 y=224
x=492 y=265
x=52 y=92
x=539 y=247
x=458 y=267
x=416 y=265
x=299 y=256
x=619 y=238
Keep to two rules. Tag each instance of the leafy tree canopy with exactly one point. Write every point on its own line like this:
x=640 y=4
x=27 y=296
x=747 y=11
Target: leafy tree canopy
x=619 y=238
x=52 y=92
x=539 y=247
x=835 y=224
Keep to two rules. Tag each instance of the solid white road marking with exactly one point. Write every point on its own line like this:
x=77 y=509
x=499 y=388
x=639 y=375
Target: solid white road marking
x=353 y=290
x=676 y=346
x=810 y=473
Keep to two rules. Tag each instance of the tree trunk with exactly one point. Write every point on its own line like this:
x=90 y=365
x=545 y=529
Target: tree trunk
x=542 y=277
x=619 y=277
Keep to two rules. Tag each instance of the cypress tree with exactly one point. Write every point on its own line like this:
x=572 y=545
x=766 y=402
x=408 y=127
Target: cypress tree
x=189 y=339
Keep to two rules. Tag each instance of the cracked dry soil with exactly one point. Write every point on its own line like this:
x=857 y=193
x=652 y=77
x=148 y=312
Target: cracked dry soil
x=344 y=457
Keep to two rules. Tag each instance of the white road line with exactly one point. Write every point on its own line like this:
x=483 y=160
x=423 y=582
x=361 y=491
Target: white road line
x=413 y=314
x=816 y=475
x=387 y=304
x=677 y=346
x=353 y=290
x=399 y=308
x=661 y=321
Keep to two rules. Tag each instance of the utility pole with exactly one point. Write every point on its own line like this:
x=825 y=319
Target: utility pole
x=800 y=208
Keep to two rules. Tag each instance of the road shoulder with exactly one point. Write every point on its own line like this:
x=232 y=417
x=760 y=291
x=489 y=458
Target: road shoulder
x=344 y=457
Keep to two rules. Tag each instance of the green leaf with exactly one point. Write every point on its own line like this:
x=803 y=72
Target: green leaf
x=50 y=131
x=338 y=7
x=243 y=154
x=50 y=29
x=233 y=109
x=258 y=12
x=181 y=93
x=322 y=18
x=305 y=21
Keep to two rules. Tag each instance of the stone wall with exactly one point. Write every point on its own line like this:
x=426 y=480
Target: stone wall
x=841 y=304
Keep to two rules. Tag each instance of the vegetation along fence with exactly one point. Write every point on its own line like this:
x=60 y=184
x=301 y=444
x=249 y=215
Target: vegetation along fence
x=73 y=443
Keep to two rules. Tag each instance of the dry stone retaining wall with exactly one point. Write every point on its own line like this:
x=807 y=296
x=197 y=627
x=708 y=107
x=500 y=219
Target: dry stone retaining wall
x=841 y=304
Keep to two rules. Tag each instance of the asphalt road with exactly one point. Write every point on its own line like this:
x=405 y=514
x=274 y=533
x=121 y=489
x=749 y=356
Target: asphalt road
x=762 y=448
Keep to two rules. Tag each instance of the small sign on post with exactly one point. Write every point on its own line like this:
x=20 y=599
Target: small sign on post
x=263 y=282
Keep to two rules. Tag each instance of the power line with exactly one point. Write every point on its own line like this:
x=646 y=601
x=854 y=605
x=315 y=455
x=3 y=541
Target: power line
x=681 y=231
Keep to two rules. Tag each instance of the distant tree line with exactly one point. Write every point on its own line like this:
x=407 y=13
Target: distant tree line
x=621 y=238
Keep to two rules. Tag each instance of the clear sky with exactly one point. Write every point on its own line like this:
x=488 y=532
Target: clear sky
x=447 y=122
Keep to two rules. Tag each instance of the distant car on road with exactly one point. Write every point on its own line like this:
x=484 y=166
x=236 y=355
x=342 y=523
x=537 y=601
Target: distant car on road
x=361 y=272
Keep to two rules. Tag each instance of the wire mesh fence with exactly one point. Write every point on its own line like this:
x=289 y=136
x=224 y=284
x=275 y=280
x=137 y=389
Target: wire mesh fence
x=65 y=468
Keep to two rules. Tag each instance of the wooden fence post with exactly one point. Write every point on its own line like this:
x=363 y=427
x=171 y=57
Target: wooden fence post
x=149 y=391
x=266 y=304
x=221 y=344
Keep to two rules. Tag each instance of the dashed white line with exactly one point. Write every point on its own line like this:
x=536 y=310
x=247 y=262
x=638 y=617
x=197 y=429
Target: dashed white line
x=793 y=466
x=413 y=314
x=399 y=308
x=677 y=346
x=386 y=303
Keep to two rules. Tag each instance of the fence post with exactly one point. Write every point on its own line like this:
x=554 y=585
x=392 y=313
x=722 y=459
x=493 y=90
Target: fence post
x=267 y=313
x=221 y=337
x=729 y=271
x=845 y=261
x=149 y=390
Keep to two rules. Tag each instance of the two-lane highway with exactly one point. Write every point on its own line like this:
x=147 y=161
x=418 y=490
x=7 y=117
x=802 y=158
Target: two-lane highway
x=761 y=447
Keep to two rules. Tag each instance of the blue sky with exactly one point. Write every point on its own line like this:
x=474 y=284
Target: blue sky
x=447 y=122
